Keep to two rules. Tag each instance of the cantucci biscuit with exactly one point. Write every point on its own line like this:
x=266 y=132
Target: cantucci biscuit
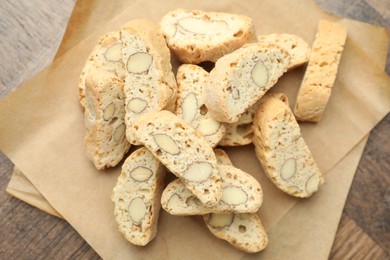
x=281 y=150
x=241 y=193
x=321 y=71
x=241 y=132
x=241 y=78
x=150 y=84
x=104 y=114
x=190 y=104
x=184 y=151
x=244 y=231
x=105 y=56
x=296 y=47
x=136 y=196
x=196 y=36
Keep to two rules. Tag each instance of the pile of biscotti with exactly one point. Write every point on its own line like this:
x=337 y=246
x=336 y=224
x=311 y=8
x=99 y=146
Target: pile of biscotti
x=131 y=97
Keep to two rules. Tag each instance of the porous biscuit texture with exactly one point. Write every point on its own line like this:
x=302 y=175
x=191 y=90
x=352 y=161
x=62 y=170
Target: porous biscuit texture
x=105 y=142
x=321 y=72
x=296 y=47
x=190 y=104
x=106 y=55
x=244 y=231
x=281 y=150
x=241 y=78
x=150 y=84
x=136 y=196
x=196 y=36
x=241 y=193
x=184 y=151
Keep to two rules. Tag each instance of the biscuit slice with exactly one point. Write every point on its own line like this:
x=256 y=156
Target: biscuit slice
x=136 y=196
x=196 y=36
x=244 y=231
x=190 y=104
x=241 y=78
x=241 y=193
x=241 y=132
x=184 y=151
x=150 y=84
x=105 y=56
x=281 y=150
x=321 y=71
x=296 y=47
x=104 y=114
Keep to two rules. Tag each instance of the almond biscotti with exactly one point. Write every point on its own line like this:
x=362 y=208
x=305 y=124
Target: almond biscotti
x=196 y=36
x=321 y=71
x=105 y=56
x=241 y=78
x=281 y=150
x=184 y=151
x=190 y=105
x=136 y=196
x=150 y=84
x=104 y=114
x=296 y=47
x=244 y=231
x=241 y=193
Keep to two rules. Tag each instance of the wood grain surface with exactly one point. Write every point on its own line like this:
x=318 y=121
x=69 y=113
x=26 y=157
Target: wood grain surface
x=30 y=33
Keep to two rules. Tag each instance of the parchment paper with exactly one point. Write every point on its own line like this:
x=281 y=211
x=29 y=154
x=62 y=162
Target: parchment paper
x=43 y=134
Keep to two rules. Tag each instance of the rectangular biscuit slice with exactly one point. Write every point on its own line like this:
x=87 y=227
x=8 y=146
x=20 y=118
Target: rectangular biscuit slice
x=321 y=71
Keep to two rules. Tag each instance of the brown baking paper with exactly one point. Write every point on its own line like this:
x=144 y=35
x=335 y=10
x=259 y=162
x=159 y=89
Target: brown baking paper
x=42 y=132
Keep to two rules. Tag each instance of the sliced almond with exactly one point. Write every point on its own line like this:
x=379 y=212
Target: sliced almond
x=114 y=52
x=221 y=220
x=235 y=93
x=173 y=201
x=109 y=111
x=119 y=132
x=198 y=172
x=137 y=209
x=139 y=62
x=192 y=200
x=259 y=74
x=233 y=195
x=166 y=143
x=141 y=174
x=209 y=126
x=190 y=107
x=312 y=184
x=289 y=168
x=137 y=105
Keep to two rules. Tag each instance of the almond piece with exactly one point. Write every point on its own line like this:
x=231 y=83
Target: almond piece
x=221 y=220
x=235 y=93
x=233 y=195
x=166 y=143
x=139 y=62
x=141 y=174
x=312 y=184
x=198 y=172
x=137 y=209
x=114 y=52
x=199 y=26
x=192 y=200
x=289 y=168
x=109 y=111
x=190 y=107
x=259 y=74
x=173 y=200
x=119 y=132
x=209 y=126
x=137 y=105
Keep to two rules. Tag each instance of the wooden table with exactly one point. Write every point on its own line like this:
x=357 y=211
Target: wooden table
x=30 y=33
